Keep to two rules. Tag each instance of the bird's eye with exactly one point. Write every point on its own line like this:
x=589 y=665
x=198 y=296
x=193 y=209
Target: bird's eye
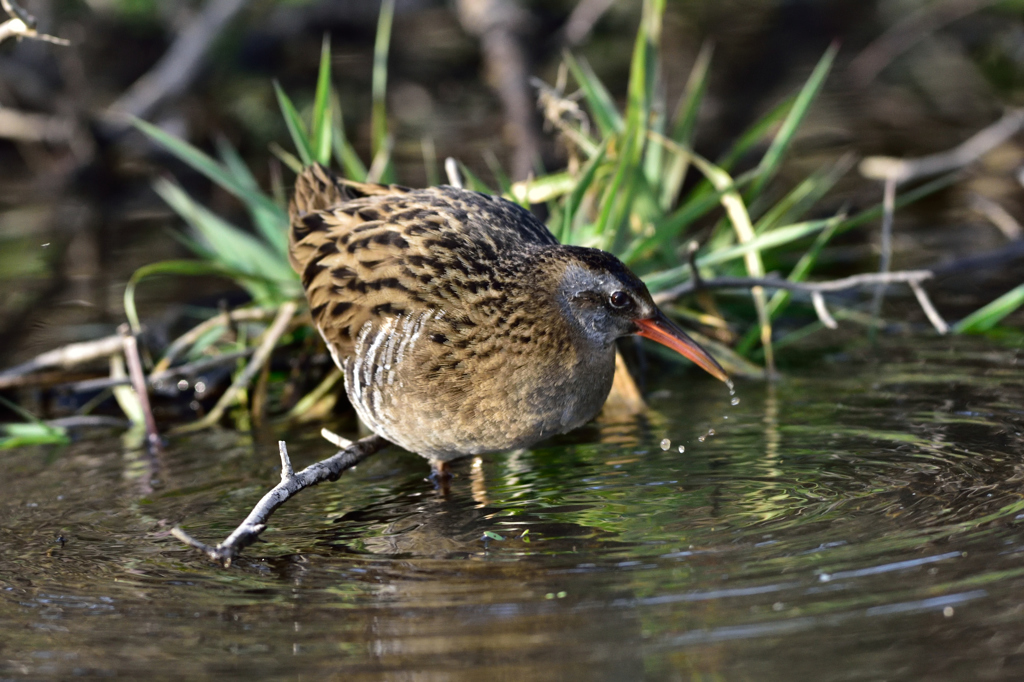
x=619 y=299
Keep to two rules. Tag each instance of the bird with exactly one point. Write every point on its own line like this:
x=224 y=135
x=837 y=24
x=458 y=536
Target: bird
x=461 y=325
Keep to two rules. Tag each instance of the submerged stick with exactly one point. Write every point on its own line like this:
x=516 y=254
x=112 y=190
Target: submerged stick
x=292 y=483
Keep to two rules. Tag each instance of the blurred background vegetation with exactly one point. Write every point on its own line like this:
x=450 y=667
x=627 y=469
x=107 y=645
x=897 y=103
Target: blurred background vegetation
x=79 y=213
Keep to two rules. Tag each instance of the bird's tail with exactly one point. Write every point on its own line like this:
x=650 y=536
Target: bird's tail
x=316 y=189
x=318 y=192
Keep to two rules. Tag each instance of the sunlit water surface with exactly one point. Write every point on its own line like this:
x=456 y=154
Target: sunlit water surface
x=860 y=520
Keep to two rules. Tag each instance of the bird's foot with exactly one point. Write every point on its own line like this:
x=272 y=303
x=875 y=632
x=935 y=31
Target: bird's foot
x=440 y=476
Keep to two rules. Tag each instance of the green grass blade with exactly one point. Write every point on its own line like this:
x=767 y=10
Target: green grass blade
x=169 y=267
x=235 y=165
x=804 y=196
x=989 y=316
x=905 y=199
x=321 y=131
x=500 y=176
x=543 y=189
x=755 y=134
x=781 y=298
x=658 y=281
x=602 y=106
x=780 y=236
x=379 y=116
x=21 y=435
x=472 y=181
x=344 y=153
x=296 y=128
x=192 y=156
x=293 y=162
x=381 y=169
x=684 y=124
x=268 y=216
x=773 y=157
x=619 y=194
x=232 y=247
x=234 y=180
x=583 y=184
x=430 y=161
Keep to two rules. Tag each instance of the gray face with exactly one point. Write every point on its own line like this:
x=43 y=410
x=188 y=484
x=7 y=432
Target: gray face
x=603 y=305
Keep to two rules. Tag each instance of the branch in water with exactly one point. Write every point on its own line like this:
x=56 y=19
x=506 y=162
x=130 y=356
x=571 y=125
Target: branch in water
x=292 y=483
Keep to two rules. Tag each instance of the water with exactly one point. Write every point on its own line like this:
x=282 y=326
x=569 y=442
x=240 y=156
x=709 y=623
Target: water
x=856 y=521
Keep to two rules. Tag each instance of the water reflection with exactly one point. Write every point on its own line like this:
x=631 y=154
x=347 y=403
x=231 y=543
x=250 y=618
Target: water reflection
x=855 y=524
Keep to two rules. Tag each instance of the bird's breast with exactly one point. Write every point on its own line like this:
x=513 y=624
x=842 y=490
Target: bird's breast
x=415 y=382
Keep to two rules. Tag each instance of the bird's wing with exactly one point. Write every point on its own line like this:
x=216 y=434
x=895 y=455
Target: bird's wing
x=367 y=253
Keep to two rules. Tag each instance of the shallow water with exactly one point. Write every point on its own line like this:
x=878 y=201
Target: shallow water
x=860 y=520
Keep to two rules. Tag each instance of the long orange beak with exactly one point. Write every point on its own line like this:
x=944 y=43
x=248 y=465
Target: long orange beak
x=665 y=332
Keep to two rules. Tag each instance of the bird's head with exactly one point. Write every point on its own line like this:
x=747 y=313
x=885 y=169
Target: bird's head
x=604 y=301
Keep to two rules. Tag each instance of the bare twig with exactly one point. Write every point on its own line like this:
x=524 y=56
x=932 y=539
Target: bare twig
x=583 y=18
x=67 y=356
x=181 y=343
x=818 y=299
x=997 y=215
x=23 y=25
x=907 y=33
x=912 y=278
x=88 y=420
x=138 y=379
x=852 y=282
x=903 y=170
x=451 y=169
x=155 y=379
x=691 y=259
x=179 y=66
x=262 y=354
x=334 y=439
x=501 y=25
x=929 y=310
x=248 y=531
x=29 y=127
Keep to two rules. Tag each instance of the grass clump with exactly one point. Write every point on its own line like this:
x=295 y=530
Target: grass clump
x=626 y=190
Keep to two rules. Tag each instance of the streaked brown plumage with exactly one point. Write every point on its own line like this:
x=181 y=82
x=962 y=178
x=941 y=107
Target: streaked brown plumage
x=461 y=325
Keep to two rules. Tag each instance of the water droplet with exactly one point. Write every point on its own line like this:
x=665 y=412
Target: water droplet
x=700 y=439
x=682 y=448
x=666 y=444
x=732 y=386
x=711 y=432
x=735 y=401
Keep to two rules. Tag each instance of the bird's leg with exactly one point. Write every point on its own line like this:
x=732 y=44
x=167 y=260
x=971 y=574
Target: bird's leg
x=440 y=475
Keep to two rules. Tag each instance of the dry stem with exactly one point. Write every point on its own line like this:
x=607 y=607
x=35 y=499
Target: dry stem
x=913 y=278
x=138 y=379
x=23 y=25
x=291 y=484
x=262 y=355
x=179 y=66
x=66 y=357
x=969 y=151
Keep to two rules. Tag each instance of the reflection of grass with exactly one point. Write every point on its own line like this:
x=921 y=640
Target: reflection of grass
x=625 y=188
